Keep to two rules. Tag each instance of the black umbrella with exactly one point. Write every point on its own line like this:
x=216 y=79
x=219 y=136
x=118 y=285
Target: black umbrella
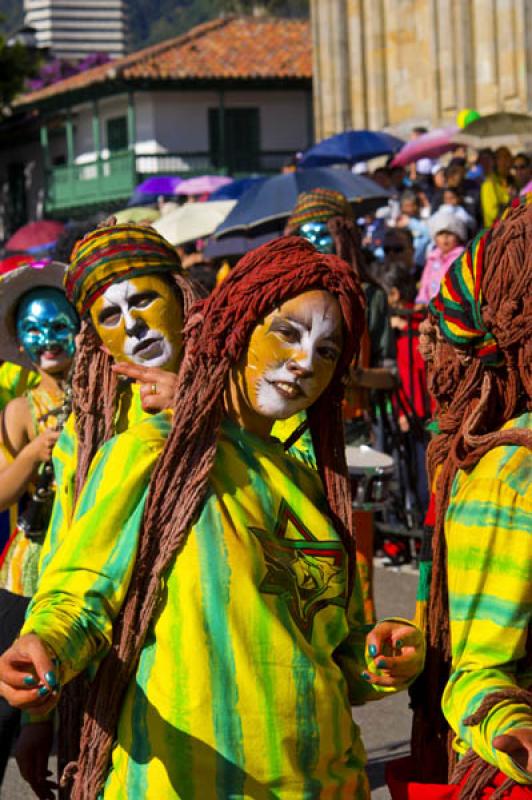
x=276 y=197
x=238 y=244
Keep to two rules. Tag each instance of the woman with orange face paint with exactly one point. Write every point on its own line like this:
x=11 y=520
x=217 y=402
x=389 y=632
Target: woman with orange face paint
x=218 y=584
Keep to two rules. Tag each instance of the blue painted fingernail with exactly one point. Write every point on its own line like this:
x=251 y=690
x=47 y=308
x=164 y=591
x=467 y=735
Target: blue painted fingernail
x=399 y=643
x=366 y=676
x=372 y=650
x=381 y=664
x=43 y=691
x=29 y=680
x=51 y=680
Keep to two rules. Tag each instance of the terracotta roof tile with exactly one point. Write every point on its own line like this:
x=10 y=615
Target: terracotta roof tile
x=227 y=48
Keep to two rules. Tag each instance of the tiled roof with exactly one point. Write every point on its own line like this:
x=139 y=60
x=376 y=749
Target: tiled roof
x=230 y=48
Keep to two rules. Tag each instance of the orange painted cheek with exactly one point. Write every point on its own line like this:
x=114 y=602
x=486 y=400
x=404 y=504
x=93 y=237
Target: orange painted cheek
x=264 y=352
x=113 y=338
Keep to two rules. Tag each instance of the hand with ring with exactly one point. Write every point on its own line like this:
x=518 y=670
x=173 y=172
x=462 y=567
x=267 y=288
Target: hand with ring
x=157 y=386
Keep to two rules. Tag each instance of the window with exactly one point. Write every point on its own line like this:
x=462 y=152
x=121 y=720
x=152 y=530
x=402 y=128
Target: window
x=241 y=145
x=117 y=134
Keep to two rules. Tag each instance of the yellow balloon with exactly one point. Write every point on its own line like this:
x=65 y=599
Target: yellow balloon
x=466 y=116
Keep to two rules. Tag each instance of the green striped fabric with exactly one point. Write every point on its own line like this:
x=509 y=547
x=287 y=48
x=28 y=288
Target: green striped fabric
x=245 y=684
x=488 y=531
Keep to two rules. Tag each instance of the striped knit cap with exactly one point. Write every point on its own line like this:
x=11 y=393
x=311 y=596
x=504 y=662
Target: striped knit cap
x=112 y=254
x=319 y=205
x=457 y=306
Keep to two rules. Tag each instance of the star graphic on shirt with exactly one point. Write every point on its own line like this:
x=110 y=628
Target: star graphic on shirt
x=308 y=573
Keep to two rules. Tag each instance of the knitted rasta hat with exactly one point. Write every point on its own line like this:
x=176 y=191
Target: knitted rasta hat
x=319 y=205
x=457 y=306
x=112 y=254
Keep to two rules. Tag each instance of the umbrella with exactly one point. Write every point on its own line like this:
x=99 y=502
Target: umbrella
x=275 y=198
x=235 y=190
x=159 y=184
x=14 y=261
x=137 y=214
x=35 y=236
x=193 y=220
x=234 y=245
x=349 y=147
x=429 y=145
x=203 y=184
x=493 y=130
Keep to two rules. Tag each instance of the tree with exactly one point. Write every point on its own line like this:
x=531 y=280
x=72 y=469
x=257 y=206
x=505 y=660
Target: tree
x=17 y=63
x=154 y=20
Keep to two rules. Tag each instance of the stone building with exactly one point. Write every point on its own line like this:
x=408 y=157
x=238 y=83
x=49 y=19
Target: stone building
x=398 y=63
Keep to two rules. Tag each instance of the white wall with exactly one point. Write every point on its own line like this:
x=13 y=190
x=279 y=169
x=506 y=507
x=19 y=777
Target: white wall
x=181 y=118
x=178 y=121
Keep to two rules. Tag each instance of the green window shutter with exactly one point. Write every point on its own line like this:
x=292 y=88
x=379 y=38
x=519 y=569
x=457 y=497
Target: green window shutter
x=241 y=139
x=117 y=134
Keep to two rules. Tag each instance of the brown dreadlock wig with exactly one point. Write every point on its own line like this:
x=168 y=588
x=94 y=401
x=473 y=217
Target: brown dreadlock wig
x=215 y=341
x=332 y=208
x=478 y=345
x=109 y=254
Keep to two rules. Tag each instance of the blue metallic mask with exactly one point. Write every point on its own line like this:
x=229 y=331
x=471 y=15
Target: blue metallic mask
x=46 y=321
x=317 y=233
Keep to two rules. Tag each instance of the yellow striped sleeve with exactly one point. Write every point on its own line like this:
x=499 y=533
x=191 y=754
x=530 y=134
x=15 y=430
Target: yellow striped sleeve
x=489 y=543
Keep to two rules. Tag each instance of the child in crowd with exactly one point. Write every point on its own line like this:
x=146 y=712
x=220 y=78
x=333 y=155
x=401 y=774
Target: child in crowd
x=410 y=217
x=452 y=197
x=412 y=401
x=449 y=233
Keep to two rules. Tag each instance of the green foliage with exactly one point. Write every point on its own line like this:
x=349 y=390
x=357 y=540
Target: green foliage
x=152 y=21
x=17 y=64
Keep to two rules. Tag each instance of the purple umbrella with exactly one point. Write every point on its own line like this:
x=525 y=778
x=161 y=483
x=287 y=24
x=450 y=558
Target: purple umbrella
x=203 y=184
x=428 y=145
x=159 y=184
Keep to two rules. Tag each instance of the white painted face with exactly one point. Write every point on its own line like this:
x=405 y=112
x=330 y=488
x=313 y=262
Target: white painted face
x=292 y=356
x=141 y=320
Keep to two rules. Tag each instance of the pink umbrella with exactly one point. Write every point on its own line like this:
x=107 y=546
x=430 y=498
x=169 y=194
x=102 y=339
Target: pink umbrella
x=203 y=184
x=36 y=236
x=428 y=145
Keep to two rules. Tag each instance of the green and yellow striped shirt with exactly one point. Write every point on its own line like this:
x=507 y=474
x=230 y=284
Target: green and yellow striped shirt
x=488 y=530
x=245 y=684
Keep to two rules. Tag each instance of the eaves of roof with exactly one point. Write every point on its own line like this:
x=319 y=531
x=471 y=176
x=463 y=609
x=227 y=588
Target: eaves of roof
x=230 y=52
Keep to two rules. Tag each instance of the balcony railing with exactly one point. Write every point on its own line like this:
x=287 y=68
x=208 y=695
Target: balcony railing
x=112 y=180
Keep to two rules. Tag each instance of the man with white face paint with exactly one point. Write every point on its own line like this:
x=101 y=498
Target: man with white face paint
x=126 y=284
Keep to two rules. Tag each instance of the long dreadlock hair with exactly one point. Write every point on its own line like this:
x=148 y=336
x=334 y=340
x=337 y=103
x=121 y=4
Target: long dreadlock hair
x=215 y=340
x=474 y=400
x=97 y=389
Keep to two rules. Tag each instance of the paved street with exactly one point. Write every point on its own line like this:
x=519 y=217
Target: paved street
x=385 y=725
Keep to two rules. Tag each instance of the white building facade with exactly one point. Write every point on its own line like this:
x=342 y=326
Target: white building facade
x=73 y=29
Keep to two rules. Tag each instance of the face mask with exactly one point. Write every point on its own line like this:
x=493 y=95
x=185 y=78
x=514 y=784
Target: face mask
x=317 y=233
x=46 y=327
x=141 y=321
x=292 y=356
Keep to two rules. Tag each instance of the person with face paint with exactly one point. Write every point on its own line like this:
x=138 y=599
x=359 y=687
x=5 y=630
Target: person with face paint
x=218 y=586
x=37 y=331
x=127 y=286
